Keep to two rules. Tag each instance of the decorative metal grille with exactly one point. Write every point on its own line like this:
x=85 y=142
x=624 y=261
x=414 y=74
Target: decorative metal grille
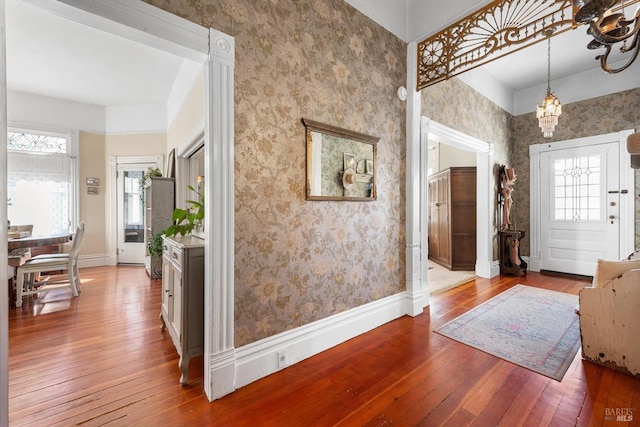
x=496 y=30
x=577 y=188
x=36 y=143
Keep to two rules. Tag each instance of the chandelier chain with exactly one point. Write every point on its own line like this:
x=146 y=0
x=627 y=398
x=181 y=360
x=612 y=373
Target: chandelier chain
x=549 y=63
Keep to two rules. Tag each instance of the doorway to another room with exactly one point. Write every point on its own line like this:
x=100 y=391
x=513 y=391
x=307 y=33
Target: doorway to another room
x=451 y=216
x=130 y=207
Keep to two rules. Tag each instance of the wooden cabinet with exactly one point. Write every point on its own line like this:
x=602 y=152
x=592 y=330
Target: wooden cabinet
x=452 y=218
x=182 y=310
x=159 y=203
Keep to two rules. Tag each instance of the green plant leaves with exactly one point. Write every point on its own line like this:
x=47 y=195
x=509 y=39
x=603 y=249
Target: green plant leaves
x=186 y=220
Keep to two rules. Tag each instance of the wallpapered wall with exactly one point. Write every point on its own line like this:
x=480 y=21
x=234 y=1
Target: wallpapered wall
x=297 y=261
x=606 y=114
x=454 y=104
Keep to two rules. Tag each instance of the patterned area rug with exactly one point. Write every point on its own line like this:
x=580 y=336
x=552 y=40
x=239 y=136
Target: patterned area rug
x=534 y=328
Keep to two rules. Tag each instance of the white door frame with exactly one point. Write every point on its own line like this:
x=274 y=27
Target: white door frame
x=485 y=265
x=112 y=184
x=627 y=205
x=4 y=302
x=147 y=24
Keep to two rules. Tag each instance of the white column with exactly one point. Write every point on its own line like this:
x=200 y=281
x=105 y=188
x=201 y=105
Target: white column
x=485 y=206
x=219 y=218
x=416 y=301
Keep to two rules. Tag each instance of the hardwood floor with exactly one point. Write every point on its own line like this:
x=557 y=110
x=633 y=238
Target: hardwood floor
x=101 y=359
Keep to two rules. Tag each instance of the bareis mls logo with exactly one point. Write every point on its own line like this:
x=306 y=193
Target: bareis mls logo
x=618 y=414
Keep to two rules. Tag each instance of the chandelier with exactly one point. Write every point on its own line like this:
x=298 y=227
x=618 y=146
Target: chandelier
x=550 y=109
x=609 y=27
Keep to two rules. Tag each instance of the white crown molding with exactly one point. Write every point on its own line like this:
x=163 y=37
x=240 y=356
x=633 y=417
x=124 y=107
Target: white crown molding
x=579 y=87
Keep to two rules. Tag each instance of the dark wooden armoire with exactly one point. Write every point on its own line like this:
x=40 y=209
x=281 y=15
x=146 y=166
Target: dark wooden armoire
x=452 y=218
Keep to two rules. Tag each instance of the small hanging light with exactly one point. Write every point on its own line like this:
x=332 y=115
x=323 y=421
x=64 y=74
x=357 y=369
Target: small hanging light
x=550 y=109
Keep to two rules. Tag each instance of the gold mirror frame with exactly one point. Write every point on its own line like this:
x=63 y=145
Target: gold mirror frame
x=352 y=136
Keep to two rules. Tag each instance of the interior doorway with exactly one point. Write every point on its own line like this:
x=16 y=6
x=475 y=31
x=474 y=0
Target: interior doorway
x=146 y=24
x=481 y=150
x=130 y=208
x=452 y=216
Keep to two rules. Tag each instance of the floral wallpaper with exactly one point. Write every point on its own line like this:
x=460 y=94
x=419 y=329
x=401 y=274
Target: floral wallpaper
x=454 y=104
x=297 y=261
x=606 y=114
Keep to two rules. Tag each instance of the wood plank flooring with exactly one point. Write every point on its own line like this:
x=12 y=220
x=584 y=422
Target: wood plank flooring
x=101 y=359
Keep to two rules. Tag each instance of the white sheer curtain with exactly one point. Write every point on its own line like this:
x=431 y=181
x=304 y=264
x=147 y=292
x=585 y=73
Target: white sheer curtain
x=39 y=189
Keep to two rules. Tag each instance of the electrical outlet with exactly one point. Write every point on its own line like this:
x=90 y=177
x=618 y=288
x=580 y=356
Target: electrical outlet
x=282 y=359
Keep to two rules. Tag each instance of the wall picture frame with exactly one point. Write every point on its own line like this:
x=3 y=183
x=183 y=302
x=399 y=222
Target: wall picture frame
x=93 y=190
x=171 y=164
x=93 y=182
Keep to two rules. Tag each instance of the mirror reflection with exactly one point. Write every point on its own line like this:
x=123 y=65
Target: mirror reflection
x=340 y=163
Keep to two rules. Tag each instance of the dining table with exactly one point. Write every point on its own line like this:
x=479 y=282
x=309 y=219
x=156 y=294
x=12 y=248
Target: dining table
x=35 y=241
x=19 y=252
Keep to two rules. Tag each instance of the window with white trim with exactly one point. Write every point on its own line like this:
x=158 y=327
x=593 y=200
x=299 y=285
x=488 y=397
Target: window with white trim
x=42 y=180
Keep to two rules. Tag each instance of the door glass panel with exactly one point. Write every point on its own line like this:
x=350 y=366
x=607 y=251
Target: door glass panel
x=577 y=188
x=133 y=207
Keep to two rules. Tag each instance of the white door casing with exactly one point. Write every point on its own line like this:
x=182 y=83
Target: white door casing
x=4 y=302
x=485 y=266
x=579 y=255
x=129 y=210
x=580 y=216
x=116 y=162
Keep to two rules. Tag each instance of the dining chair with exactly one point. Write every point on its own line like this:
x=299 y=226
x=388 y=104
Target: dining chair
x=27 y=282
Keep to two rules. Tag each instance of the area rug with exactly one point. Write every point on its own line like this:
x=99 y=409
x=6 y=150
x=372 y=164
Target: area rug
x=534 y=328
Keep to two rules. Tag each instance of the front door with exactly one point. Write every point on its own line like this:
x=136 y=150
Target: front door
x=131 y=224
x=580 y=208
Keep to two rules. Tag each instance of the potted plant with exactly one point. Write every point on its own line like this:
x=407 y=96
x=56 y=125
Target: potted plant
x=154 y=247
x=150 y=173
x=187 y=220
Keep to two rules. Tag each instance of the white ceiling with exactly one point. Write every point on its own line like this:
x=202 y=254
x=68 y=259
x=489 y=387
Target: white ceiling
x=56 y=57
x=518 y=81
x=53 y=56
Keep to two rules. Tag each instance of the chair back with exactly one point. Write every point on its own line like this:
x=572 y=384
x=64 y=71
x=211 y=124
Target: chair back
x=77 y=239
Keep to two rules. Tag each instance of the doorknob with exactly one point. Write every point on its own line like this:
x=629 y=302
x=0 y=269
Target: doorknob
x=612 y=217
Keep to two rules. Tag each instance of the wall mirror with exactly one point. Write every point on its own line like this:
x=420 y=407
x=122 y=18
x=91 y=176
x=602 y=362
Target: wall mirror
x=341 y=164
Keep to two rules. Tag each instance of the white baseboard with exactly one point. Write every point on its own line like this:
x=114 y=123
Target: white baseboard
x=259 y=359
x=95 y=260
x=495 y=269
x=534 y=263
x=488 y=270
